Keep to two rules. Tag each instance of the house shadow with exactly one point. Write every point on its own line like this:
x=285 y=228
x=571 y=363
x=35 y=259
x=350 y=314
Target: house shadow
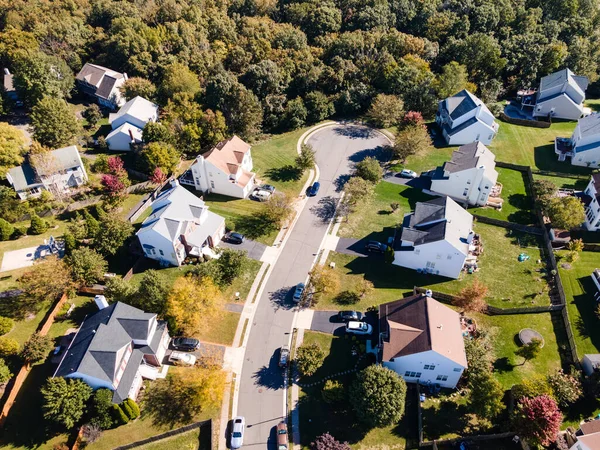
x=414 y=196
x=546 y=159
x=253 y=226
x=587 y=323
x=448 y=418
x=271 y=376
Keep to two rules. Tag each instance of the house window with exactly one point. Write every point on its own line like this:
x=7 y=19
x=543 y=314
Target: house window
x=161 y=252
x=417 y=251
x=465 y=192
x=477 y=138
x=413 y=374
x=490 y=136
x=442 y=377
x=430 y=265
x=210 y=174
x=468 y=182
x=426 y=367
x=457 y=369
x=212 y=184
x=429 y=367
x=418 y=375
x=407 y=373
x=487 y=187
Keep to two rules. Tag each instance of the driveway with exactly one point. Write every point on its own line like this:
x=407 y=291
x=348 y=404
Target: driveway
x=355 y=247
x=261 y=394
x=326 y=322
x=255 y=249
x=417 y=183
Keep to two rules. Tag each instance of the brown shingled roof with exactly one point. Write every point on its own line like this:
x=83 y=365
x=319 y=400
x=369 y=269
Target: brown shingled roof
x=591 y=427
x=226 y=154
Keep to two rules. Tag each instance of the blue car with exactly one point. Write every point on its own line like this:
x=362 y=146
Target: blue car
x=312 y=191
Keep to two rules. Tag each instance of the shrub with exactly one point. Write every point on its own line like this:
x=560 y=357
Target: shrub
x=38 y=225
x=6 y=324
x=127 y=410
x=566 y=389
x=118 y=415
x=333 y=392
x=133 y=407
x=389 y=255
x=8 y=347
x=101 y=407
x=309 y=358
x=5 y=373
x=36 y=348
x=328 y=442
x=6 y=230
x=19 y=231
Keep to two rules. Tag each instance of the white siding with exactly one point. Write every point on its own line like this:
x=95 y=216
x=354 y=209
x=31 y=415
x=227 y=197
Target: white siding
x=416 y=363
x=562 y=107
x=479 y=131
x=469 y=185
x=160 y=243
x=440 y=258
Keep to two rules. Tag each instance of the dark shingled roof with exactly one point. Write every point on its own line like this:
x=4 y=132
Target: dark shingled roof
x=596 y=178
x=459 y=104
x=463 y=158
x=426 y=224
x=106 y=87
x=429 y=211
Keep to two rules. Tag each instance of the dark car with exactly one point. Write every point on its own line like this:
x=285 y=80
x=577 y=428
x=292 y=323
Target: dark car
x=374 y=246
x=346 y=316
x=268 y=187
x=284 y=356
x=282 y=436
x=314 y=189
x=185 y=344
x=298 y=292
x=234 y=238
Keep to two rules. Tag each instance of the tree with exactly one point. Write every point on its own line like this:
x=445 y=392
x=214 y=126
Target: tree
x=152 y=293
x=92 y=225
x=566 y=212
x=159 y=154
x=138 y=87
x=412 y=118
x=485 y=399
x=369 y=169
x=538 y=419
x=178 y=79
x=158 y=177
x=472 y=297
x=324 y=280
x=378 y=396
x=566 y=389
x=318 y=106
x=5 y=373
x=65 y=400
x=328 y=442
x=533 y=386
x=365 y=287
x=412 y=140
x=116 y=180
x=91 y=432
x=530 y=350
x=278 y=209
x=101 y=408
x=47 y=280
x=544 y=191
x=36 y=348
x=333 y=392
x=112 y=235
x=306 y=159
x=576 y=245
x=6 y=324
x=11 y=209
x=309 y=357
x=231 y=264
x=295 y=113
x=191 y=303
x=480 y=357
x=385 y=110
x=54 y=123
x=87 y=265
x=12 y=147
x=159 y=132
x=8 y=347
x=358 y=190
x=92 y=114
x=6 y=230
x=453 y=79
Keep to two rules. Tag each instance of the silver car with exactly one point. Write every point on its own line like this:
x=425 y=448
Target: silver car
x=237 y=432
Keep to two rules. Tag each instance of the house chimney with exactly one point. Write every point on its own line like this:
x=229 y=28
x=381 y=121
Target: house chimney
x=428 y=293
x=125 y=76
x=101 y=302
x=131 y=135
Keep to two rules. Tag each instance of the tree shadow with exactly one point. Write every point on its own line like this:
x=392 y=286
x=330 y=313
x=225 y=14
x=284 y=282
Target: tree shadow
x=325 y=209
x=282 y=298
x=253 y=226
x=380 y=153
x=447 y=418
x=503 y=364
x=340 y=182
x=355 y=131
x=285 y=173
x=414 y=196
x=271 y=376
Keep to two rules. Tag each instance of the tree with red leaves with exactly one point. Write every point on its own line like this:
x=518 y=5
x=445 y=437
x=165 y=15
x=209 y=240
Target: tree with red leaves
x=412 y=119
x=158 y=176
x=112 y=184
x=115 y=181
x=328 y=442
x=538 y=419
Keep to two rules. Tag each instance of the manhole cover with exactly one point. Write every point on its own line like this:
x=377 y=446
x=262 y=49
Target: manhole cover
x=260 y=391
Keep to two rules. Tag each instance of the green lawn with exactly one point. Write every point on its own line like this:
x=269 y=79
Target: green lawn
x=577 y=182
x=374 y=219
x=510 y=283
x=191 y=440
x=517 y=199
x=56 y=229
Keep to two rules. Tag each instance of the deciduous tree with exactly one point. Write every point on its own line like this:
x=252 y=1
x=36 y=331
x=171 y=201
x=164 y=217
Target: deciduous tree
x=566 y=212
x=137 y=86
x=65 y=400
x=472 y=297
x=530 y=350
x=566 y=388
x=54 y=123
x=152 y=293
x=369 y=169
x=178 y=79
x=306 y=159
x=412 y=140
x=544 y=190
x=278 y=209
x=385 y=110
x=324 y=280
x=309 y=357
x=485 y=399
x=12 y=147
x=159 y=154
x=47 y=280
x=87 y=265
x=538 y=419
x=358 y=190
x=112 y=235
x=5 y=373
x=454 y=78
x=92 y=114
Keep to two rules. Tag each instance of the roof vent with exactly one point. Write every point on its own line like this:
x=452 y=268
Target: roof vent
x=101 y=302
x=429 y=293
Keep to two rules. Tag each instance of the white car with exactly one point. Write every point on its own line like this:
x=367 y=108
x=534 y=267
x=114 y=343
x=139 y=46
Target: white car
x=358 y=328
x=182 y=359
x=406 y=173
x=237 y=432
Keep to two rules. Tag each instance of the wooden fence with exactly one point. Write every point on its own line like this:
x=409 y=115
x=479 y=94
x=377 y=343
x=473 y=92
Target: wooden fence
x=509 y=225
x=524 y=122
x=478 y=438
x=169 y=434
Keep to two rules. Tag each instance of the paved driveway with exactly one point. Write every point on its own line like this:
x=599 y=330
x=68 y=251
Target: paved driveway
x=326 y=322
x=261 y=395
x=356 y=247
x=255 y=249
x=417 y=183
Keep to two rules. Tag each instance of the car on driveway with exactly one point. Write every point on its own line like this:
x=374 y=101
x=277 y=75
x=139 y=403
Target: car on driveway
x=346 y=316
x=314 y=189
x=282 y=436
x=260 y=195
x=362 y=328
x=268 y=187
x=185 y=344
x=406 y=173
x=374 y=246
x=237 y=432
x=234 y=238
x=182 y=359
x=298 y=292
x=284 y=356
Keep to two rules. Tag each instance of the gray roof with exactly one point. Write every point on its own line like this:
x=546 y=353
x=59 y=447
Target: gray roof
x=23 y=177
x=469 y=156
x=106 y=86
x=137 y=107
x=200 y=234
x=460 y=104
x=561 y=77
x=589 y=125
x=430 y=211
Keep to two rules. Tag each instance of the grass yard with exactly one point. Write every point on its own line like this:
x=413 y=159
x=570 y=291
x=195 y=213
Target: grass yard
x=444 y=416
x=510 y=283
x=191 y=440
x=374 y=219
x=579 y=288
x=517 y=199
x=56 y=229
x=576 y=182
x=318 y=417
x=221 y=330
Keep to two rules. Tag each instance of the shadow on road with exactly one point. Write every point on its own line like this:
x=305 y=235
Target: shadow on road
x=380 y=153
x=282 y=298
x=325 y=209
x=340 y=182
x=271 y=376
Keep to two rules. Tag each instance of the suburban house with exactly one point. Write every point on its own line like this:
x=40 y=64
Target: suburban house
x=596 y=279
x=9 y=87
x=422 y=341
x=101 y=83
x=469 y=176
x=561 y=96
x=590 y=363
x=591 y=200
x=180 y=225
x=128 y=123
x=56 y=171
x=436 y=238
x=583 y=147
x=586 y=438
x=464 y=118
x=225 y=170
x=116 y=348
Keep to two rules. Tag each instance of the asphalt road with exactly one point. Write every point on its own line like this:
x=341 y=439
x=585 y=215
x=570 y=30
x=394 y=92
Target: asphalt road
x=261 y=395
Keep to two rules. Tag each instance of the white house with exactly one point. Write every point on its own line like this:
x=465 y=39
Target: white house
x=180 y=225
x=102 y=84
x=56 y=171
x=464 y=118
x=591 y=200
x=225 y=170
x=469 y=176
x=435 y=238
x=561 y=95
x=583 y=147
x=587 y=437
x=128 y=123
x=421 y=340
x=590 y=363
x=116 y=348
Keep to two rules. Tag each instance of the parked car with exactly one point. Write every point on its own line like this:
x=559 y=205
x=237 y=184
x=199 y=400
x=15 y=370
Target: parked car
x=359 y=328
x=261 y=195
x=182 y=359
x=298 y=292
x=282 y=436
x=374 y=246
x=284 y=356
x=234 y=238
x=314 y=189
x=405 y=173
x=268 y=187
x=185 y=344
x=350 y=315
x=237 y=432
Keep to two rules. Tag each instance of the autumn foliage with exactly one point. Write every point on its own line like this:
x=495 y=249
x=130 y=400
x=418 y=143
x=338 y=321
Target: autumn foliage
x=538 y=419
